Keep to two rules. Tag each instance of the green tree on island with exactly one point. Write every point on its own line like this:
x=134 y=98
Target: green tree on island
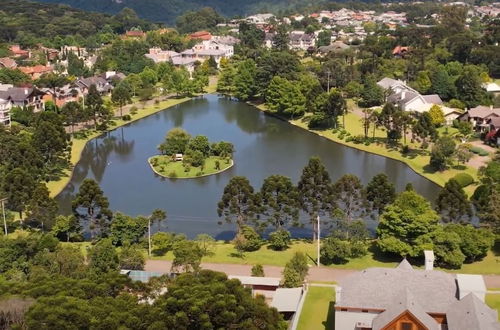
x=175 y=142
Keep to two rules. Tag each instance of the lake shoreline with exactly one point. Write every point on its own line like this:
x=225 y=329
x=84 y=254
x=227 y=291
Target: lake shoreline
x=57 y=186
x=433 y=177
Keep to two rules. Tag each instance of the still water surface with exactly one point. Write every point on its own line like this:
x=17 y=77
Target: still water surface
x=264 y=146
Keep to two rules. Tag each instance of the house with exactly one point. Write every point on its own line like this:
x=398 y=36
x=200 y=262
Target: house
x=493 y=136
x=408 y=298
x=336 y=47
x=36 y=71
x=492 y=88
x=480 y=115
x=134 y=34
x=400 y=51
x=6 y=62
x=201 y=35
x=300 y=40
x=259 y=19
x=287 y=301
x=62 y=95
x=406 y=97
x=18 y=52
x=102 y=85
x=5 y=107
x=269 y=39
x=28 y=97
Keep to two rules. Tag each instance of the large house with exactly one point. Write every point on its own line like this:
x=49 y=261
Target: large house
x=480 y=116
x=5 y=107
x=6 y=62
x=301 y=40
x=103 y=86
x=404 y=298
x=36 y=71
x=406 y=97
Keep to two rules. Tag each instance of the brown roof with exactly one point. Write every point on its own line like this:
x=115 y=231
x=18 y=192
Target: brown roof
x=495 y=121
x=483 y=111
x=35 y=69
x=203 y=35
x=8 y=63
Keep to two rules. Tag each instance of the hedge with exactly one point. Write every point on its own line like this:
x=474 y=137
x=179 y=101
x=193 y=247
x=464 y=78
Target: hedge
x=464 y=179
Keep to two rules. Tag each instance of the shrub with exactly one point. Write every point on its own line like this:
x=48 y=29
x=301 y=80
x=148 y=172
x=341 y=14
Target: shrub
x=258 y=271
x=405 y=149
x=247 y=240
x=126 y=117
x=358 y=139
x=349 y=139
x=476 y=150
x=200 y=173
x=464 y=179
x=295 y=270
x=483 y=153
x=133 y=110
x=279 y=240
x=172 y=174
x=367 y=143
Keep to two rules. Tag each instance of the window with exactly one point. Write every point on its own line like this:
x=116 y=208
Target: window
x=366 y=311
x=406 y=326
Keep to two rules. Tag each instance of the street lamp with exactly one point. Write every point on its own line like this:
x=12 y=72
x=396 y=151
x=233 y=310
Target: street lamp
x=2 y=201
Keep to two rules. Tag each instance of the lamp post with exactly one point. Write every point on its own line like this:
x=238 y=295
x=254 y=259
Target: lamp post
x=319 y=239
x=2 y=201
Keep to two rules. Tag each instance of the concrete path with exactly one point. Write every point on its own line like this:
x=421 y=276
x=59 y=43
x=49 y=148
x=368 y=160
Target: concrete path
x=319 y=274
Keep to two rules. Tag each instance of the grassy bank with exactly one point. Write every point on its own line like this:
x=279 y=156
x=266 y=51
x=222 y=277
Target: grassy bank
x=418 y=161
x=226 y=253
x=318 y=312
x=166 y=167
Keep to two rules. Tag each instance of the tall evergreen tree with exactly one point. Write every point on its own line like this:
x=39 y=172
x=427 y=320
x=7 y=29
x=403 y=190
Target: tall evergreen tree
x=279 y=202
x=452 y=203
x=380 y=192
x=315 y=191
x=238 y=203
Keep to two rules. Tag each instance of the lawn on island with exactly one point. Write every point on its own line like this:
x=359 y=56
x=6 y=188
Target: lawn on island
x=318 y=309
x=167 y=167
x=493 y=300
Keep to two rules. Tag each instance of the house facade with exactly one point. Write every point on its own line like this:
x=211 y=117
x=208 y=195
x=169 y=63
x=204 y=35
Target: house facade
x=404 y=298
x=5 y=107
x=480 y=116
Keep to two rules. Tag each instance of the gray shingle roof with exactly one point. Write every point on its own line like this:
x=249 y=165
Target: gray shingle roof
x=405 y=302
x=433 y=98
x=471 y=313
x=483 y=112
x=386 y=83
x=378 y=288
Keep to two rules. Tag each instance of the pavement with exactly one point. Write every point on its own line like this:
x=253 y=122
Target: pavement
x=316 y=274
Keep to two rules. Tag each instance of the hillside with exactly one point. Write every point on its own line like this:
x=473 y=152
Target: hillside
x=168 y=10
x=28 y=22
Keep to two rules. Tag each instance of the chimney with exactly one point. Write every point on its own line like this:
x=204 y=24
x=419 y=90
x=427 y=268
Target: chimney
x=429 y=259
x=491 y=107
x=25 y=91
x=403 y=94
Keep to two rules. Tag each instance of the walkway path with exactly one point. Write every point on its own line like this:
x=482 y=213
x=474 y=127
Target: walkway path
x=319 y=274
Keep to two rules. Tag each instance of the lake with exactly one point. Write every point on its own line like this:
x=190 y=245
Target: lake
x=264 y=146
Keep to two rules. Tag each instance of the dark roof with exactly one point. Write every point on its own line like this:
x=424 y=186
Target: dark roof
x=404 y=302
x=19 y=94
x=472 y=313
x=378 y=288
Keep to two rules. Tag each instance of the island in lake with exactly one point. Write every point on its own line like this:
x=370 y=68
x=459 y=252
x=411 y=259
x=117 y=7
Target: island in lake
x=182 y=156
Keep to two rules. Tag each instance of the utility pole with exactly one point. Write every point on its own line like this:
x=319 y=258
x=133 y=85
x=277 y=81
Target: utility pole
x=149 y=236
x=328 y=89
x=319 y=239
x=3 y=200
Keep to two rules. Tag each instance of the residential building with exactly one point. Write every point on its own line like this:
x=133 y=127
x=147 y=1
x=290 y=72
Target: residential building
x=411 y=299
x=102 y=85
x=6 y=62
x=201 y=35
x=301 y=40
x=18 y=52
x=259 y=19
x=62 y=95
x=28 y=97
x=480 y=115
x=493 y=136
x=406 y=97
x=400 y=51
x=5 y=107
x=135 y=34
x=492 y=88
x=36 y=71
x=335 y=47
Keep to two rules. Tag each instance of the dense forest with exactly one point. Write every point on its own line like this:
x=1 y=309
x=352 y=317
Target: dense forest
x=23 y=21
x=168 y=10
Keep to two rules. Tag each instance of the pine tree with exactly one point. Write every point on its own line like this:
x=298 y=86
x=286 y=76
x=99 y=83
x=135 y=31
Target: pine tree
x=380 y=192
x=452 y=203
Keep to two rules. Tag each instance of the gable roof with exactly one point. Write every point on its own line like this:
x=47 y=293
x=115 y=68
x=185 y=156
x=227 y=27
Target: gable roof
x=286 y=299
x=432 y=98
x=472 y=313
x=405 y=302
x=387 y=83
x=8 y=63
x=483 y=111
x=20 y=94
x=378 y=288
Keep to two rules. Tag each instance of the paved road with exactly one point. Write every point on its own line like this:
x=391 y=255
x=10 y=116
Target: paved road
x=320 y=274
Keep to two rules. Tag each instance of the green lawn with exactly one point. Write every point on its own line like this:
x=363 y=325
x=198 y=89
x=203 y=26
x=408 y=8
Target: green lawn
x=317 y=312
x=493 y=300
x=165 y=166
x=418 y=159
x=226 y=253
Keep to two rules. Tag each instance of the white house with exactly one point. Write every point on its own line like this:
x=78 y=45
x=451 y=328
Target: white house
x=5 y=107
